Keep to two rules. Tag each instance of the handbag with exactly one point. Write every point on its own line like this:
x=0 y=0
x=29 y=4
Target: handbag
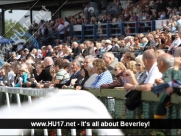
x=133 y=99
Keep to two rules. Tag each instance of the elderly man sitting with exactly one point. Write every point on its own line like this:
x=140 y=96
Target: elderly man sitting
x=110 y=61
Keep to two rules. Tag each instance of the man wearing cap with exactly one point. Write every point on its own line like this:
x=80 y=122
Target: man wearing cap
x=108 y=45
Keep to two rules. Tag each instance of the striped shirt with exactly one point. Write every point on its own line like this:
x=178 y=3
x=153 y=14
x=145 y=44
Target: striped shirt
x=103 y=78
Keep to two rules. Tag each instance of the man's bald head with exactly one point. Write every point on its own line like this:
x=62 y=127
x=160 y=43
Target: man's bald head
x=149 y=55
x=177 y=52
x=164 y=61
x=159 y=52
x=166 y=58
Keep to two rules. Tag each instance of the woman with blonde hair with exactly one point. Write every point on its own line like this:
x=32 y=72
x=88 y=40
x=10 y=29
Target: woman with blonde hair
x=23 y=77
x=140 y=76
x=104 y=76
x=119 y=70
x=132 y=66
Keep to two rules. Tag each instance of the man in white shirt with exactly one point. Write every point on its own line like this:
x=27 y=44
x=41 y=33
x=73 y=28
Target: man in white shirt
x=150 y=62
x=175 y=43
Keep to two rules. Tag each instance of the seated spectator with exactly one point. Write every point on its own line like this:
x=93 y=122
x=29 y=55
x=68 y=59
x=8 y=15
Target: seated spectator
x=3 y=77
x=9 y=73
x=45 y=74
x=159 y=52
x=132 y=66
x=141 y=72
x=115 y=46
x=157 y=41
x=76 y=76
x=137 y=45
x=23 y=77
x=65 y=52
x=118 y=71
x=128 y=56
x=104 y=76
x=60 y=75
x=76 y=50
x=108 y=46
x=144 y=41
x=151 y=41
x=50 y=51
x=89 y=49
x=175 y=43
x=165 y=66
x=178 y=22
x=150 y=62
x=110 y=61
x=85 y=75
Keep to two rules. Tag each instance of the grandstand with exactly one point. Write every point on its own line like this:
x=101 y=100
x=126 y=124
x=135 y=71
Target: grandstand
x=118 y=50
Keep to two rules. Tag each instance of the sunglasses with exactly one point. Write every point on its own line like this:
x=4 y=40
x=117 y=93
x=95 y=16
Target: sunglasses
x=138 y=65
x=115 y=69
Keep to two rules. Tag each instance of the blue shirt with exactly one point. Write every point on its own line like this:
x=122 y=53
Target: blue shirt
x=103 y=78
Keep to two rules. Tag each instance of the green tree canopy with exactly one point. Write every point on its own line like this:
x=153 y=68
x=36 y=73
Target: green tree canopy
x=11 y=25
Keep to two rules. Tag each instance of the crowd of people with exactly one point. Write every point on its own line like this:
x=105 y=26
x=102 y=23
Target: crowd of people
x=94 y=65
x=133 y=62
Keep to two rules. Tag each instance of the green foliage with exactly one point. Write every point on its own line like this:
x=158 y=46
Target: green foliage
x=11 y=25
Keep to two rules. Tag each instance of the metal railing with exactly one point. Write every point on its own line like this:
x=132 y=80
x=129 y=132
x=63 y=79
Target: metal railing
x=101 y=30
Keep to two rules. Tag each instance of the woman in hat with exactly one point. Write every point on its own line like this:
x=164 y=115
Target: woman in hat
x=119 y=73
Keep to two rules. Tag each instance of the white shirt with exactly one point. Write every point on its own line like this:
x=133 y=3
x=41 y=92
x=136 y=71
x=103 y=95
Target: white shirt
x=20 y=46
x=66 y=24
x=176 y=42
x=108 y=47
x=60 y=27
x=153 y=74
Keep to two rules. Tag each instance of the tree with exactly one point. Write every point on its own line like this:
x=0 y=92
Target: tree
x=11 y=25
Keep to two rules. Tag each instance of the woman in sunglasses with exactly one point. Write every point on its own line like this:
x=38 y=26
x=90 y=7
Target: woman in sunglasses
x=141 y=72
x=119 y=72
x=140 y=76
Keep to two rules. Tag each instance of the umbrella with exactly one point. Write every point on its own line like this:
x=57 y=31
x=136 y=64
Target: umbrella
x=20 y=41
x=5 y=41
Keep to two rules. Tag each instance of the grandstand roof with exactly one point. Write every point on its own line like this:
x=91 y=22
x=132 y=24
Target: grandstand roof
x=26 y=4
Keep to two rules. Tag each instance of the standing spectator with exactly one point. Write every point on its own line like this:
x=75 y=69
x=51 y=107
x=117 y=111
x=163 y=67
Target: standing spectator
x=61 y=29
